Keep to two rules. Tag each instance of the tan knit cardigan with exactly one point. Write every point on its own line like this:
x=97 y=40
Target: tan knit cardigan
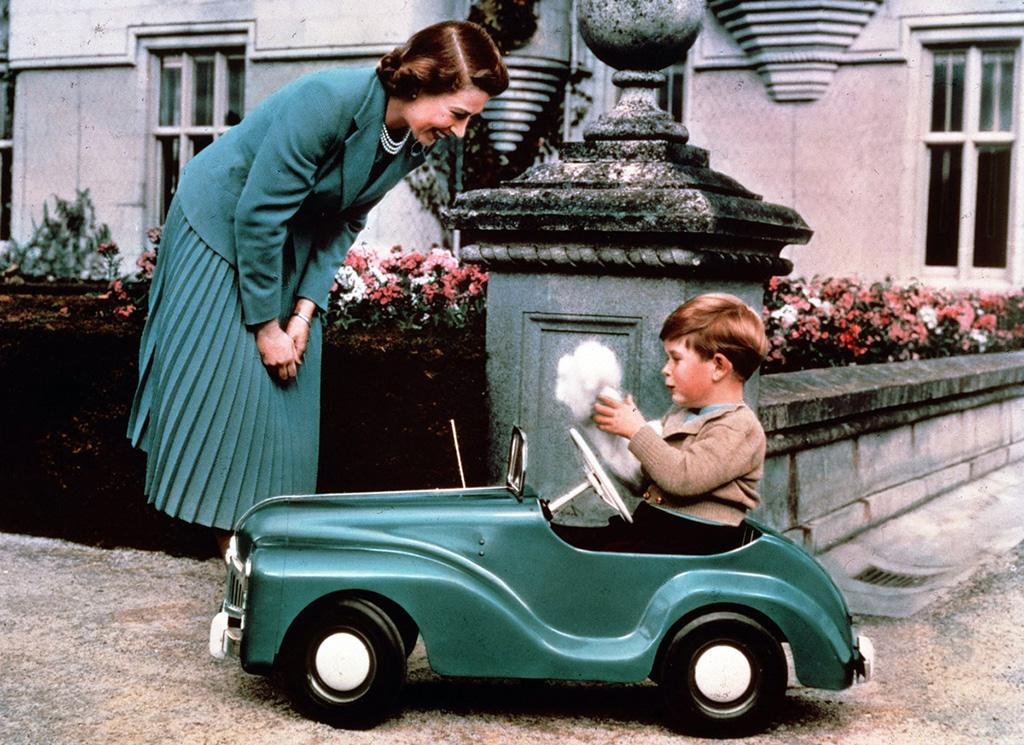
x=707 y=466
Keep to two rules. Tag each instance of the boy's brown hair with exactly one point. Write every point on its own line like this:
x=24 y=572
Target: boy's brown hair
x=719 y=323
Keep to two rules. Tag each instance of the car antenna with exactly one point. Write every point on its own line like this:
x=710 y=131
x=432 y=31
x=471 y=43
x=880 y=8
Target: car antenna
x=458 y=456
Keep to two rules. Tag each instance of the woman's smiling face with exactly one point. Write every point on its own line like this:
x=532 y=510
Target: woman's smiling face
x=432 y=117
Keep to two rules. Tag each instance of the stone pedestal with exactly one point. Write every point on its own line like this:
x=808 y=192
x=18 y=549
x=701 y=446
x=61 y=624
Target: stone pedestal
x=603 y=245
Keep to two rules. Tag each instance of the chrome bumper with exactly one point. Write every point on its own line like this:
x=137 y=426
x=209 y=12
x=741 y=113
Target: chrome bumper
x=226 y=628
x=225 y=639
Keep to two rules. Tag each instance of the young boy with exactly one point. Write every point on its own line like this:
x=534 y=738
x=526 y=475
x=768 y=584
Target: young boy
x=710 y=456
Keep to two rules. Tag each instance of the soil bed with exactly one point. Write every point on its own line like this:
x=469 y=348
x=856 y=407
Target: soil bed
x=68 y=368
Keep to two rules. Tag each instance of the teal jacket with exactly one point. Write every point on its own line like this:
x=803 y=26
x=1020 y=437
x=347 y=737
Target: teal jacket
x=296 y=167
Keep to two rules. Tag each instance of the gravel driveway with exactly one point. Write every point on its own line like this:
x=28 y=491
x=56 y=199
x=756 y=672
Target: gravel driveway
x=109 y=646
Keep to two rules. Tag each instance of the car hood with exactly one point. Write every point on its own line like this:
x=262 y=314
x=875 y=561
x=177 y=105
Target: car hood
x=323 y=517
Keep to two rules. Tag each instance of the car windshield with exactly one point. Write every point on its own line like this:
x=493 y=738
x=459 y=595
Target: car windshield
x=516 y=475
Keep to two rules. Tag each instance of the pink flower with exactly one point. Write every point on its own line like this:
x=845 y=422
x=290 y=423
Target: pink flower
x=147 y=263
x=986 y=322
x=965 y=317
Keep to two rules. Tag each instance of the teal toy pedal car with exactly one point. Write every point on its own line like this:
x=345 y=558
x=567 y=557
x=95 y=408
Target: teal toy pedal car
x=333 y=591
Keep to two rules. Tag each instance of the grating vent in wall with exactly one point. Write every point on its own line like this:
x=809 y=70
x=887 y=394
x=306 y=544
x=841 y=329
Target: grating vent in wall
x=884 y=578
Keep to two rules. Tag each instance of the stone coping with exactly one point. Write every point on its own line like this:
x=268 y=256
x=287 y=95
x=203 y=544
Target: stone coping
x=824 y=396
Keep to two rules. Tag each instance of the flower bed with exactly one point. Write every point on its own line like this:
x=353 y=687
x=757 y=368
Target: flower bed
x=373 y=291
x=831 y=322
x=406 y=291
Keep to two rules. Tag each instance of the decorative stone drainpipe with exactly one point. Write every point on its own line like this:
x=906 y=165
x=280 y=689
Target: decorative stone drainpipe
x=606 y=242
x=537 y=77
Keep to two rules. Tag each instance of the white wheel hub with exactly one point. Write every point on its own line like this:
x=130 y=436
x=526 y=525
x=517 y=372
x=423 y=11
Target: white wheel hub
x=343 y=661
x=722 y=673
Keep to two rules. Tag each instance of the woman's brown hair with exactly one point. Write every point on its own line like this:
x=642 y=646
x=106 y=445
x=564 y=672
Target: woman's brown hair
x=444 y=58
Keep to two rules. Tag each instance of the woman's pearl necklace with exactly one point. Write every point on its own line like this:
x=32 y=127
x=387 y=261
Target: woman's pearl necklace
x=390 y=146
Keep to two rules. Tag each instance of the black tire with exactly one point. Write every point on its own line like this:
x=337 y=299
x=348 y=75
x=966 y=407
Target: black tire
x=701 y=697
x=355 y=697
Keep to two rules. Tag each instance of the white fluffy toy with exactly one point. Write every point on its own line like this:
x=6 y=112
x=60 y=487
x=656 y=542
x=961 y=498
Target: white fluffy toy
x=592 y=369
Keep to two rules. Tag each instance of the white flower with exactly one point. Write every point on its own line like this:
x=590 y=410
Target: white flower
x=928 y=316
x=787 y=315
x=381 y=277
x=351 y=287
x=980 y=338
x=420 y=280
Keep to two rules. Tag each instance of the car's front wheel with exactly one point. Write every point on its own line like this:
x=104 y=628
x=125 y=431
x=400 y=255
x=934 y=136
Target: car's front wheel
x=345 y=664
x=724 y=674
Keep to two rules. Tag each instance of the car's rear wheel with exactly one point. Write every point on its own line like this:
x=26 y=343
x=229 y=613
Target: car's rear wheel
x=345 y=664
x=724 y=674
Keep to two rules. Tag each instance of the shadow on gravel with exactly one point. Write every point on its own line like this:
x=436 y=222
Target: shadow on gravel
x=634 y=703
x=638 y=704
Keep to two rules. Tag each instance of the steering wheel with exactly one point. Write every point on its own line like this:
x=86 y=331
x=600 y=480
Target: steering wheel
x=597 y=477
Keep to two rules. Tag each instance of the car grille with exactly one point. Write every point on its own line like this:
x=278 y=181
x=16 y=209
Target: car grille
x=236 y=586
x=234 y=593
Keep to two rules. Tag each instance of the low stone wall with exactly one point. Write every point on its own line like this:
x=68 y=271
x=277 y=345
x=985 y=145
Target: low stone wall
x=849 y=448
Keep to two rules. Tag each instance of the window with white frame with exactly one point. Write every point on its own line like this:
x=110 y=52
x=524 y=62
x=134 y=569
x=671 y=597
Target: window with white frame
x=971 y=152
x=201 y=95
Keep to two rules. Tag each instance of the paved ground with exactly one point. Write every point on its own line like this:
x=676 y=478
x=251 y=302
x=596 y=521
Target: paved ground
x=109 y=646
x=907 y=562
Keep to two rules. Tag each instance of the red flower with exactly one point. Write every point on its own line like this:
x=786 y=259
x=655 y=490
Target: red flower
x=986 y=322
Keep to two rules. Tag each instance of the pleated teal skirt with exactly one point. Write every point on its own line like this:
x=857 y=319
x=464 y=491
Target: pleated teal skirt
x=219 y=433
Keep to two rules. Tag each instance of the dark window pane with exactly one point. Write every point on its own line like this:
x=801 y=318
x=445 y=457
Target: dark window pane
x=5 y=194
x=956 y=94
x=170 y=97
x=236 y=91
x=948 y=92
x=7 y=105
x=988 y=83
x=1006 y=94
x=993 y=207
x=670 y=95
x=944 y=206
x=996 y=91
x=676 y=81
x=169 y=164
x=939 y=92
x=199 y=142
x=202 y=91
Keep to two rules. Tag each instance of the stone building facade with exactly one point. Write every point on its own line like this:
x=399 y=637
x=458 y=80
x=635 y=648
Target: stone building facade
x=892 y=126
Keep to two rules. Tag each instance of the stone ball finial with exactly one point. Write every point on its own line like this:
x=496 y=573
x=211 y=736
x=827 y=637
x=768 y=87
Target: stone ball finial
x=640 y=34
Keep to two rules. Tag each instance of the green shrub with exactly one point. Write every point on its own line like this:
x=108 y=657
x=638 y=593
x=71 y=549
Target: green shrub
x=65 y=244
